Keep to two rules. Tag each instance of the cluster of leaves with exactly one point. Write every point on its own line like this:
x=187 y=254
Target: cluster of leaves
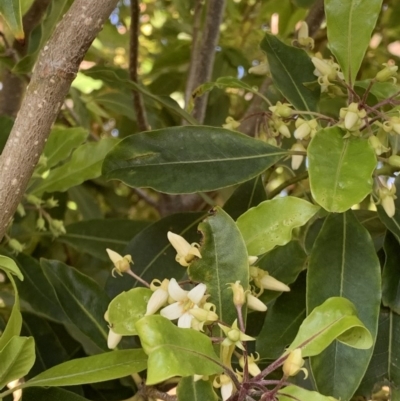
x=343 y=309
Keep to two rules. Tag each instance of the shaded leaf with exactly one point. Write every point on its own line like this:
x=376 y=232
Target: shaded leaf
x=291 y=68
x=345 y=177
x=11 y=11
x=188 y=159
x=174 y=351
x=199 y=390
x=51 y=394
x=271 y=223
x=391 y=274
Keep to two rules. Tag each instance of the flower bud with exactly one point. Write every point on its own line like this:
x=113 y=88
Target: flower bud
x=324 y=68
x=394 y=160
x=34 y=200
x=122 y=264
x=51 y=202
x=281 y=110
x=297 y=159
x=238 y=294
x=231 y=123
x=113 y=339
x=185 y=252
x=294 y=363
x=352 y=117
x=15 y=245
x=386 y=199
x=302 y=37
x=377 y=145
x=57 y=227
x=270 y=283
x=41 y=224
x=254 y=370
x=387 y=73
x=260 y=69
x=21 y=210
x=254 y=303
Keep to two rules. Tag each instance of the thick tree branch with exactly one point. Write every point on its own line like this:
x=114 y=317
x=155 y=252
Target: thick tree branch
x=54 y=71
x=138 y=104
x=315 y=17
x=205 y=64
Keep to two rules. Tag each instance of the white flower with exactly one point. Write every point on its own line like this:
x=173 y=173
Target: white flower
x=387 y=195
x=159 y=297
x=113 y=339
x=185 y=252
x=224 y=382
x=121 y=263
x=185 y=301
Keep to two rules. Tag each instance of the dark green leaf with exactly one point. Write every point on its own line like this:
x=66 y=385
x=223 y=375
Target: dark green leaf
x=343 y=263
x=199 y=390
x=11 y=11
x=188 y=159
x=291 y=68
x=174 y=351
x=51 y=394
x=391 y=274
x=86 y=201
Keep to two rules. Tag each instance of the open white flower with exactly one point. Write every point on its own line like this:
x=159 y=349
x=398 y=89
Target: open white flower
x=224 y=383
x=184 y=302
x=185 y=252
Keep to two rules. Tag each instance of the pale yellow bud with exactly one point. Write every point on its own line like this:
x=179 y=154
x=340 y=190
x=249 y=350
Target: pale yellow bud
x=122 y=264
x=255 y=304
x=387 y=73
x=394 y=160
x=294 y=363
x=270 y=283
x=113 y=339
x=238 y=294
x=260 y=69
x=377 y=145
x=297 y=159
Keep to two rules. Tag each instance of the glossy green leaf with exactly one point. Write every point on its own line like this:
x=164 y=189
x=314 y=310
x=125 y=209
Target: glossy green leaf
x=283 y=320
x=83 y=301
x=11 y=12
x=174 y=351
x=337 y=319
x=152 y=253
x=247 y=195
x=345 y=177
x=9 y=266
x=343 y=263
x=17 y=357
x=290 y=393
x=350 y=25
x=199 y=390
x=291 y=68
x=51 y=394
x=126 y=309
x=94 y=236
x=85 y=164
x=61 y=142
x=188 y=159
x=223 y=260
x=92 y=369
x=391 y=274
x=271 y=223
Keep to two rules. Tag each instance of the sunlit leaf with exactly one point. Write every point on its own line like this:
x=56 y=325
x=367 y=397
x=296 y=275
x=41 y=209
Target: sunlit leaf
x=290 y=393
x=188 y=389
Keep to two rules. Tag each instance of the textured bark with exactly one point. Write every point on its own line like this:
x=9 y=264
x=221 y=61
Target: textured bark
x=54 y=71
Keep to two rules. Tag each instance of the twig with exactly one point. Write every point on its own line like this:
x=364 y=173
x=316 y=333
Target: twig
x=287 y=183
x=138 y=104
x=315 y=17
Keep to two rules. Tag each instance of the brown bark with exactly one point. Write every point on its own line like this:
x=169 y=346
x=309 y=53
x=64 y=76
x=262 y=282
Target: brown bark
x=54 y=71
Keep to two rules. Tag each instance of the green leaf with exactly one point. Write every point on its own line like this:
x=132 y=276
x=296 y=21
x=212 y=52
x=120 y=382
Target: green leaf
x=223 y=260
x=337 y=319
x=291 y=393
x=283 y=320
x=291 y=68
x=350 y=269
x=152 y=253
x=126 y=309
x=17 y=358
x=83 y=301
x=174 y=351
x=117 y=102
x=350 y=25
x=188 y=159
x=391 y=274
x=85 y=164
x=271 y=223
x=199 y=390
x=11 y=11
x=9 y=266
x=51 y=394
x=94 y=236
x=92 y=369
x=247 y=195
x=345 y=177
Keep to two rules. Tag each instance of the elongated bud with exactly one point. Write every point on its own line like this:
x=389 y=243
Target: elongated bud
x=113 y=339
x=185 y=252
x=239 y=297
x=387 y=73
x=122 y=264
x=297 y=159
x=294 y=363
x=270 y=283
x=394 y=161
x=255 y=304
x=260 y=69
x=377 y=145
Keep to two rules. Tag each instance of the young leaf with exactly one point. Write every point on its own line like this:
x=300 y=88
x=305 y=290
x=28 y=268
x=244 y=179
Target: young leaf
x=17 y=358
x=174 y=351
x=126 y=309
x=291 y=68
x=350 y=25
x=188 y=159
x=344 y=263
x=345 y=177
x=271 y=223
x=223 y=260
x=290 y=393
x=391 y=273
x=11 y=11
x=92 y=369
x=9 y=266
x=337 y=319
x=188 y=389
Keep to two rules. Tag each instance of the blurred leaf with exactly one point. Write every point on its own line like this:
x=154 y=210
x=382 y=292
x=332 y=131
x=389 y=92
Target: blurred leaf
x=117 y=102
x=174 y=351
x=188 y=159
x=345 y=177
x=92 y=369
x=337 y=319
x=83 y=301
x=88 y=205
x=94 y=236
x=223 y=260
x=9 y=266
x=152 y=253
x=126 y=309
x=247 y=195
x=271 y=223
x=391 y=274
x=85 y=164
x=343 y=263
x=291 y=68
x=188 y=389
x=382 y=90
x=290 y=393
x=11 y=11
x=51 y=394
x=350 y=25
x=17 y=358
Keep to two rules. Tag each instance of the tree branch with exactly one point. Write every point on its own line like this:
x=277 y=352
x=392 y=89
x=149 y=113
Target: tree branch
x=138 y=104
x=315 y=17
x=54 y=71
x=205 y=62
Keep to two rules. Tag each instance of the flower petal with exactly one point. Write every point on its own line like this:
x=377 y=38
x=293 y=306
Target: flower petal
x=114 y=256
x=181 y=246
x=173 y=311
x=156 y=301
x=175 y=291
x=255 y=304
x=197 y=293
x=270 y=283
x=113 y=339
x=185 y=321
